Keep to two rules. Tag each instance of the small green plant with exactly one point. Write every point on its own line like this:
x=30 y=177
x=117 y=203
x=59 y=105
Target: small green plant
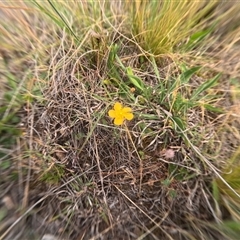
x=53 y=175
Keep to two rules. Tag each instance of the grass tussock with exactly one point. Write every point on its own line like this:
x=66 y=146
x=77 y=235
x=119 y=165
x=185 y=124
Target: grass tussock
x=163 y=27
x=169 y=173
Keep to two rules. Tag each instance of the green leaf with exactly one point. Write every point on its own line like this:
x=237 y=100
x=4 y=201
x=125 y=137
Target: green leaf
x=112 y=54
x=179 y=124
x=213 y=109
x=235 y=226
x=186 y=76
x=11 y=80
x=197 y=36
x=206 y=85
x=231 y=228
x=120 y=63
x=136 y=81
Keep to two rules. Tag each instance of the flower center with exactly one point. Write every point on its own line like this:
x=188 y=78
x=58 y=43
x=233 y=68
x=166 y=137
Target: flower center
x=120 y=113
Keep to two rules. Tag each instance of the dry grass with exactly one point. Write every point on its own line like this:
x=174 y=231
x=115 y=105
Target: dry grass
x=73 y=173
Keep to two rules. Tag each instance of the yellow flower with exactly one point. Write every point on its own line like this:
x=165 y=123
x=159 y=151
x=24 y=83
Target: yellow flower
x=120 y=113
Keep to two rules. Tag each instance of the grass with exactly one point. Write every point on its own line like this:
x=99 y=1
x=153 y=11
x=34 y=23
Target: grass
x=165 y=26
x=66 y=170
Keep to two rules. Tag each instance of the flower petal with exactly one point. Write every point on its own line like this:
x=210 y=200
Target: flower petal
x=118 y=121
x=126 y=110
x=117 y=106
x=128 y=116
x=111 y=113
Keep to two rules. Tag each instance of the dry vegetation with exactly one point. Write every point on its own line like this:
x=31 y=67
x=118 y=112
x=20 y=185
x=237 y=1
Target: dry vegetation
x=170 y=173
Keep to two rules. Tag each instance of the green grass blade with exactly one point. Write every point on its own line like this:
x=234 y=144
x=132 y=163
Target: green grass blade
x=69 y=29
x=42 y=9
x=136 y=81
x=211 y=108
x=186 y=76
x=231 y=229
x=179 y=123
x=206 y=85
x=197 y=38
